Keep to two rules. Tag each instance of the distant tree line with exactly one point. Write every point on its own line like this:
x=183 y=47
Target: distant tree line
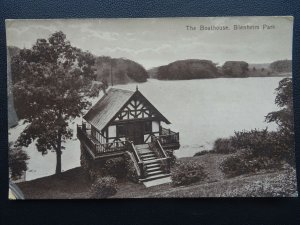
x=203 y=69
x=281 y=66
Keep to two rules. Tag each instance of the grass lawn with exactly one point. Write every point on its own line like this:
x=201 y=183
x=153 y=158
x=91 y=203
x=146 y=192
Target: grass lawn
x=74 y=184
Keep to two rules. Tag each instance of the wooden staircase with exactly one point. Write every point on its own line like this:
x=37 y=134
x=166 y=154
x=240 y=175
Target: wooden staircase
x=152 y=164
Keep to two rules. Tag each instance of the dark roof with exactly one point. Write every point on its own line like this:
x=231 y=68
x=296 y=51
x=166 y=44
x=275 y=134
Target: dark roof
x=109 y=105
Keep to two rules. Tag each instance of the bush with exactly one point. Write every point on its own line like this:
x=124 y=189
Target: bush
x=104 y=187
x=115 y=167
x=224 y=146
x=17 y=161
x=263 y=143
x=185 y=173
x=94 y=173
x=131 y=172
x=245 y=163
x=173 y=158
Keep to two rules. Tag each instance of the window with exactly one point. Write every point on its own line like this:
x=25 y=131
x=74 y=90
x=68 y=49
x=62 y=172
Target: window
x=121 y=131
x=148 y=127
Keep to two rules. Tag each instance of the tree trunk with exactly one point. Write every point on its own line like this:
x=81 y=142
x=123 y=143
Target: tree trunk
x=58 y=153
x=58 y=162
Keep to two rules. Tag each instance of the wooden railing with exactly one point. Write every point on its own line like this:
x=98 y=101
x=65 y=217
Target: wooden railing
x=167 y=137
x=161 y=153
x=137 y=158
x=96 y=147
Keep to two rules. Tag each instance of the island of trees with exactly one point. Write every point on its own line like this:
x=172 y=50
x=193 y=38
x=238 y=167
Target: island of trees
x=203 y=69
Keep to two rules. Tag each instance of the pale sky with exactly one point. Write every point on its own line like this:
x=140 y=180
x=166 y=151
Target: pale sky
x=154 y=42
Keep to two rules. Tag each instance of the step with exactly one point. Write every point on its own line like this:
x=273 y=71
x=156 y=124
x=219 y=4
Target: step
x=148 y=158
x=152 y=173
x=145 y=146
x=159 y=181
x=154 y=177
x=147 y=153
x=153 y=169
x=151 y=165
x=147 y=162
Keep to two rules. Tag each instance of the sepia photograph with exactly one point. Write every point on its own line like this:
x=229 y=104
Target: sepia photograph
x=190 y=107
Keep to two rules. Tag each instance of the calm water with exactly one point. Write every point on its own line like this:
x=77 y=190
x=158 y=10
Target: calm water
x=201 y=110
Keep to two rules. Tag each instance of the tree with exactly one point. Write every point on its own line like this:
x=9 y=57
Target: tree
x=284 y=118
x=16 y=161
x=49 y=82
x=235 y=68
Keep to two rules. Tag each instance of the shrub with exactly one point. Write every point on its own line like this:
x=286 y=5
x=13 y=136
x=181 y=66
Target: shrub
x=131 y=172
x=263 y=143
x=245 y=163
x=173 y=158
x=94 y=174
x=104 y=187
x=185 y=173
x=17 y=161
x=115 y=167
x=224 y=146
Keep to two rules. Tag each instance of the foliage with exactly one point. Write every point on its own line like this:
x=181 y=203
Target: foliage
x=115 y=167
x=285 y=119
x=224 y=146
x=187 y=69
x=282 y=185
x=131 y=172
x=104 y=187
x=122 y=70
x=246 y=163
x=281 y=66
x=173 y=158
x=235 y=68
x=49 y=82
x=264 y=149
x=261 y=149
x=184 y=173
x=17 y=161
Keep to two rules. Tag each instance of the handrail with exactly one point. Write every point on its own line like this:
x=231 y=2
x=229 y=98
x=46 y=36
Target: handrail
x=139 y=161
x=161 y=149
x=135 y=152
x=135 y=163
x=98 y=147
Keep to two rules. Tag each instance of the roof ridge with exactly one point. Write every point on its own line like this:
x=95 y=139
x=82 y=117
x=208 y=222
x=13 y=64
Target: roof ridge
x=119 y=89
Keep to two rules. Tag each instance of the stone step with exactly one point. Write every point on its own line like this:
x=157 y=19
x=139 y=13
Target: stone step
x=148 y=158
x=153 y=169
x=156 y=172
x=151 y=165
x=145 y=146
x=159 y=181
x=147 y=154
x=147 y=162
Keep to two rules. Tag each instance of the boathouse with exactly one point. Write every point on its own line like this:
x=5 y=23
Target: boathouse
x=125 y=122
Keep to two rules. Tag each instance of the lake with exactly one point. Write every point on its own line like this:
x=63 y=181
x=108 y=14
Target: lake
x=201 y=110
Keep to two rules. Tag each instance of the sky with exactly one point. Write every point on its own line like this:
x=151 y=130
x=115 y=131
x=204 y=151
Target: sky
x=159 y=41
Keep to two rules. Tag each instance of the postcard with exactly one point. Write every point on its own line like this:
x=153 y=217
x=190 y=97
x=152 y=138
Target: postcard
x=151 y=107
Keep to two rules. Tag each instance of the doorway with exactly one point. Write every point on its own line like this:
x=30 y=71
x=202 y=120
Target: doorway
x=136 y=132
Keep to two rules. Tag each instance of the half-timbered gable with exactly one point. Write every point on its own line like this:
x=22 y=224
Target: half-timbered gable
x=122 y=115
